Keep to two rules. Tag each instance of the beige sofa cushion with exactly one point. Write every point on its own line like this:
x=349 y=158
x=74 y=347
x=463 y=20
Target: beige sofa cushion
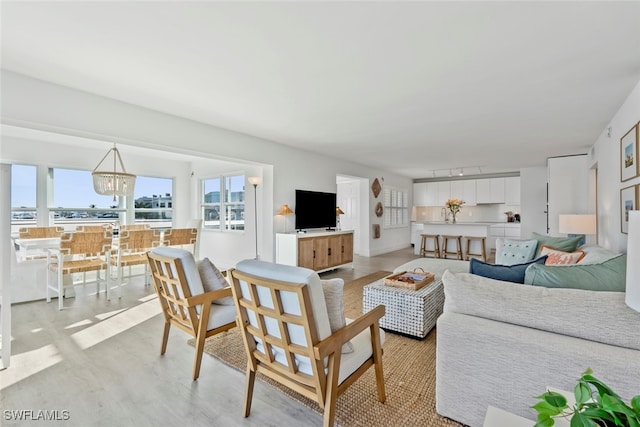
x=597 y=316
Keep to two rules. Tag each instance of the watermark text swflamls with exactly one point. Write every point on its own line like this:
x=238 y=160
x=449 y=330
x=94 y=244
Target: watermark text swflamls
x=36 y=415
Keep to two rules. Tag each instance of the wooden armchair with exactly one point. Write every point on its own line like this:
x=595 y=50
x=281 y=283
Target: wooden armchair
x=40 y=233
x=287 y=336
x=184 y=302
x=79 y=253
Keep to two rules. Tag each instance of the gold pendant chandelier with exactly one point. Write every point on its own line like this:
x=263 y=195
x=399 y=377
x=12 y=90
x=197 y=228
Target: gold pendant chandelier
x=113 y=182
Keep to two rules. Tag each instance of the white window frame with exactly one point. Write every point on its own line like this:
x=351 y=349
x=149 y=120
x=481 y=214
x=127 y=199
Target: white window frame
x=395 y=204
x=225 y=224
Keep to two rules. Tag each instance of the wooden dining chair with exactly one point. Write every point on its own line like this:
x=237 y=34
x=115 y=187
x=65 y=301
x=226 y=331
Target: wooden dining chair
x=79 y=253
x=184 y=302
x=287 y=335
x=93 y=228
x=40 y=232
x=133 y=246
x=185 y=238
x=135 y=227
x=37 y=233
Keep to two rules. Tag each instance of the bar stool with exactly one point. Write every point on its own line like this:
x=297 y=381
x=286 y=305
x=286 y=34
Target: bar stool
x=457 y=240
x=436 y=245
x=483 y=248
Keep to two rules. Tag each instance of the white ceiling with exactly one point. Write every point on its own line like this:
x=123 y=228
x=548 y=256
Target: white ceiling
x=410 y=87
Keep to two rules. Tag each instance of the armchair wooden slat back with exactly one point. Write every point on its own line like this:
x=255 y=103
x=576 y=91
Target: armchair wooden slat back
x=172 y=269
x=271 y=328
x=172 y=289
x=280 y=325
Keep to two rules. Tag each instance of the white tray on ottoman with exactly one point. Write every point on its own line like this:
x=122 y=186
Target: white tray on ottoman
x=407 y=311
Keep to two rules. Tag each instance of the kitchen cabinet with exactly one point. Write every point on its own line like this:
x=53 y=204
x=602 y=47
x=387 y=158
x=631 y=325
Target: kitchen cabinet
x=420 y=194
x=512 y=190
x=444 y=192
x=465 y=190
x=431 y=198
x=490 y=190
x=318 y=251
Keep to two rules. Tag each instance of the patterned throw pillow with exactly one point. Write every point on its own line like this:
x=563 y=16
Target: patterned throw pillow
x=516 y=252
x=213 y=280
x=333 y=297
x=557 y=257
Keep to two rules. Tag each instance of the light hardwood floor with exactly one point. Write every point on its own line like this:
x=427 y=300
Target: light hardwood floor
x=100 y=361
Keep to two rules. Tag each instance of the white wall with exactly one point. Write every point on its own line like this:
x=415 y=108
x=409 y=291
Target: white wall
x=35 y=104
x=605 y=155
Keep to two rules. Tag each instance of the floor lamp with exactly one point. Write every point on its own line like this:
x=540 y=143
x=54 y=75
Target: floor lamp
x=255 y=180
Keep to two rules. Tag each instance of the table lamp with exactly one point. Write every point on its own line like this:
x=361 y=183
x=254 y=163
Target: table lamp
x=577 y=225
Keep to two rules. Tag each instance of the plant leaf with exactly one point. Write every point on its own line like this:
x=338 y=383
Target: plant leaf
x=545 y=422
x=555 y=399
x=599 y=385
x=544 y=408
x=582 y=392
x=635 y=404
x=579 y=420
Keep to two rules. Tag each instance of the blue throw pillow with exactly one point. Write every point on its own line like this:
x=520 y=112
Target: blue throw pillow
x=516 y=252
x=508 y=273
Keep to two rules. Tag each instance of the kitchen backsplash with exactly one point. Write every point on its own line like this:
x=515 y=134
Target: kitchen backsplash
x=468 y=213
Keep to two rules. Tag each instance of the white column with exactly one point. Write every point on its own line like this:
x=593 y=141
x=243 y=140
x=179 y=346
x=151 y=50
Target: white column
x=5 y=263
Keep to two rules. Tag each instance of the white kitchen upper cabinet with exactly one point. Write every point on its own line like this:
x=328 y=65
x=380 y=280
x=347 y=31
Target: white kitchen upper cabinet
x=420 y=194
x=469 y=192
x=457 y=189
x=444 y=192
x=464 y=189
x=490 y=190
x=512 y=190
x=432 y=194
x=483 y=191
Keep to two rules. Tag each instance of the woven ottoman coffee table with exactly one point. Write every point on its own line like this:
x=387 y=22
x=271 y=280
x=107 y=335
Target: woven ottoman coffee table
x=407 y=312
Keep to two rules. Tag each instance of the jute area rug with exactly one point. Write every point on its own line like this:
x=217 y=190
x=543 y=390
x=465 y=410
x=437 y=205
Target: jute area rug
x=409 y=370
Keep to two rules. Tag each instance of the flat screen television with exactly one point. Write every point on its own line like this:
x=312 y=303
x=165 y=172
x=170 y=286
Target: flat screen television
x=315 y=209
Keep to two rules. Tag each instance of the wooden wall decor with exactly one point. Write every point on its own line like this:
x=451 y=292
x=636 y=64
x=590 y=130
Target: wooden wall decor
x=376 y=188
x=379 y=209
x=376 y=231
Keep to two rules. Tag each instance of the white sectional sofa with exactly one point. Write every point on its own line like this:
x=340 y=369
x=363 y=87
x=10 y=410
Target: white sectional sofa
x=502 y=344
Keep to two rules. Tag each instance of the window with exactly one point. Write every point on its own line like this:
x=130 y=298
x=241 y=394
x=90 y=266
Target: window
x=74 y=199
x=23 y=194
x=396 y=208
x=153 y=201
x=224 y=195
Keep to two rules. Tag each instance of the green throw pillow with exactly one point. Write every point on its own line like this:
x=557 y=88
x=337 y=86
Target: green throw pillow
x=567 y=244
x=609 y=275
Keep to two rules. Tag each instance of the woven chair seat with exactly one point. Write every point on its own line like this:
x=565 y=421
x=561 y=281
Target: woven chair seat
x=80 y=266
x=131 y=259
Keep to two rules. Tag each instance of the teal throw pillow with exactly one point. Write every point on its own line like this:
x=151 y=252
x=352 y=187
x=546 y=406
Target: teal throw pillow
x=567 y=244
x=609 y=275
x=516 y=252
x=507 y=273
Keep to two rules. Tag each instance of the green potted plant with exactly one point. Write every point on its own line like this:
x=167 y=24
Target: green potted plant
x=596 y=405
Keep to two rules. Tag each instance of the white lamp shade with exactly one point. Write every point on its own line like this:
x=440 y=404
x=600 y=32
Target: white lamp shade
x=254 y=180
x=632 y=297
x=577 y=224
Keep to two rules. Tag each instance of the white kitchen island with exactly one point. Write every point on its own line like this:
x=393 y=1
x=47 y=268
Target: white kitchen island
x=488 y=229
